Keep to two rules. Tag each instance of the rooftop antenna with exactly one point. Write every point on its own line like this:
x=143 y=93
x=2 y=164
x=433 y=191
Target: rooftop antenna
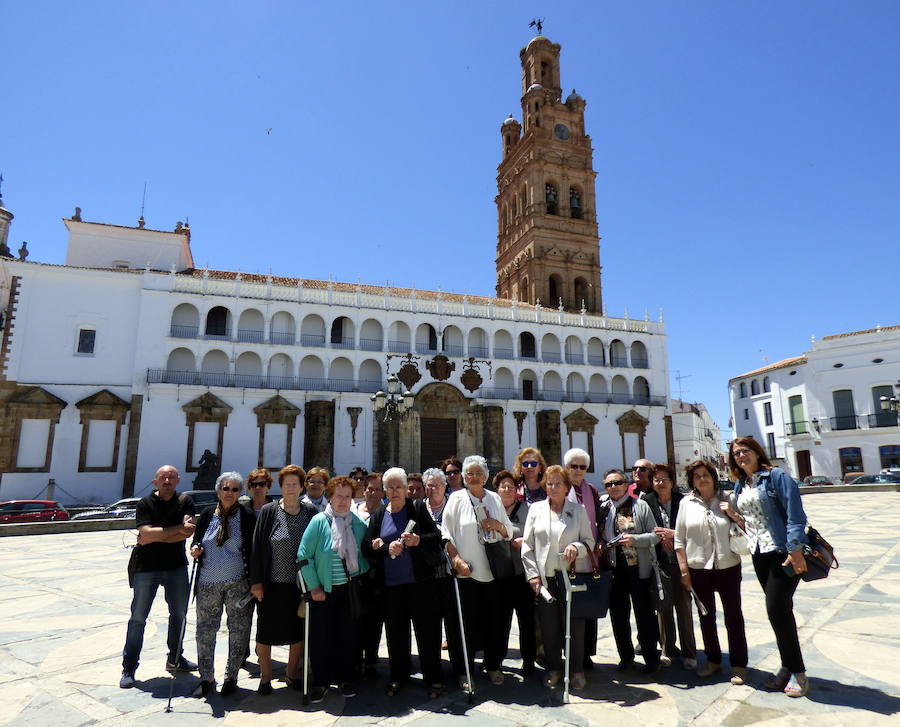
x=537 y=23
x=1 y=189
x=141 y=220
x=764 y=357
x=679 y=377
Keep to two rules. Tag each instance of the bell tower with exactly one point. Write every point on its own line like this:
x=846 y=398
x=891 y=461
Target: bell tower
x=548 y=248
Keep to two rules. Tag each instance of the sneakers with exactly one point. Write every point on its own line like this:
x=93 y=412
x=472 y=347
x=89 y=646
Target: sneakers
x=690 y=664
x=127 y=681
x=182 y=664
x=708 y=669
x=665 y=660
x=738 y=675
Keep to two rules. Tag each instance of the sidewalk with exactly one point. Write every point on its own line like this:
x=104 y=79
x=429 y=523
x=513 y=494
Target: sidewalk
x=64 y=603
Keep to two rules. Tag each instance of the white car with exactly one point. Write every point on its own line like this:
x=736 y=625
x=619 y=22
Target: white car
x=122 y=509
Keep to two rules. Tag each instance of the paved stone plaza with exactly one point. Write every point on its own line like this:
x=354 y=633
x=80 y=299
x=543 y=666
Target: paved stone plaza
x=64 y=603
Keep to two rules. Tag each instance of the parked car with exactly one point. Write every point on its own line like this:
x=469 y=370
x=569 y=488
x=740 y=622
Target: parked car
x=817 y=480
x=726 y=484
x=875 y=479
x=203 y=498
x=31 y=511
x=122 y=509
x=850 y=476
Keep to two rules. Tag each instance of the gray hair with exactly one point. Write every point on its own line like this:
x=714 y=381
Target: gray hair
x=434 y=472
x=394 y=473
x=576 y=452
x=230 y=477
x=476 y=460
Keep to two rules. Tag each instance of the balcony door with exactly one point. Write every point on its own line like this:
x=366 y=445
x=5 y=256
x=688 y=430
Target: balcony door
x=804 y=466
x=844 y=411
x=798 y=421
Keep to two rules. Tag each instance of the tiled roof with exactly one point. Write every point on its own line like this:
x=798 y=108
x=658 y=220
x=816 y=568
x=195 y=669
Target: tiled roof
x=880 y=329
x=352 y=287
x=795 y=361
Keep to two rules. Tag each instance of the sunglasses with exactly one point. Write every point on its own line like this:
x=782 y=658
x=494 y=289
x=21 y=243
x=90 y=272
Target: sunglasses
x=530 y=463
x=578 y=466
x=229 y=489
x=615 y=483
x=640 y=469
x=258 y=483
x=451 y=473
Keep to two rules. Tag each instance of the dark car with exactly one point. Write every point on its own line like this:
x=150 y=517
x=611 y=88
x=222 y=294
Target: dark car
x=813 y=480
x=122 y=509
x=31 y=511
x=875 y=479
x=203 y=498
x=726 y=484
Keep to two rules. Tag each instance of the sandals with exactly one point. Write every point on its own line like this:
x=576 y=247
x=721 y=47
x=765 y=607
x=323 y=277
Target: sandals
x=778 y=681
x=797 y=686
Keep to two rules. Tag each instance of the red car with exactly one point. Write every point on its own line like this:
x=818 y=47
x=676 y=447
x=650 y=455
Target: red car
x=31 y=511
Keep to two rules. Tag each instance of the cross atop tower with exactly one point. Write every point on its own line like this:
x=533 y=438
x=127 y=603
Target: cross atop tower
x=539 y=24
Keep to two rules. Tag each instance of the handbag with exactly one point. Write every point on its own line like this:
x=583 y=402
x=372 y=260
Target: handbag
x=499 y=555
x=819 y=555
x=737 y=540
x=593 y=602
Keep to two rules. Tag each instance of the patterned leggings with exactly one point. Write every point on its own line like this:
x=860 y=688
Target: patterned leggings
x=210 y=599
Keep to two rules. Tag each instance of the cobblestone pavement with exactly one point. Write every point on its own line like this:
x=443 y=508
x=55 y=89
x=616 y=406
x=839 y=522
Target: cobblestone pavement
x=64 y=603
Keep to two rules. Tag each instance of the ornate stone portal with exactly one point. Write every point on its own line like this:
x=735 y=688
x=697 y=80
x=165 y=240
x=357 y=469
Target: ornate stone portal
x=632 y=423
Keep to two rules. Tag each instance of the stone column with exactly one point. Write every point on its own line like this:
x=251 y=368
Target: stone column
x=492 y=436
x=132 y=445
x=386 y=436
x=318 y=446
x=410 y=430
x=548 y=439
x=468 y=435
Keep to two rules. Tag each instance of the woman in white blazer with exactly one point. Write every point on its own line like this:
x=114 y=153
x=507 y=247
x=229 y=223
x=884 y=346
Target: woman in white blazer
x=557 y=532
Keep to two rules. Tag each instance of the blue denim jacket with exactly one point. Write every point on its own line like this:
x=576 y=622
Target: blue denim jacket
x=779 y=495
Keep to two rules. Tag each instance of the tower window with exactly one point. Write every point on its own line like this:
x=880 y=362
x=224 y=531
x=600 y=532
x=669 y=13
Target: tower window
x=552 y=199
x=87 y=337
x=575 y=203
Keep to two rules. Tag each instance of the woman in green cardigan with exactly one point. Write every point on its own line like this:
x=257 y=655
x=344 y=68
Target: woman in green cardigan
x=330 y=561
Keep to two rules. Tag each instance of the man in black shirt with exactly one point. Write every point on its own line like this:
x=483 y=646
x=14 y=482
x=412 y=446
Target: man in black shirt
x=165 y=520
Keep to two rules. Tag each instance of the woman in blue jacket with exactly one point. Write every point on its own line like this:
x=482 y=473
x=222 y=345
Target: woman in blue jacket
x=330 y=561
x=770 y=510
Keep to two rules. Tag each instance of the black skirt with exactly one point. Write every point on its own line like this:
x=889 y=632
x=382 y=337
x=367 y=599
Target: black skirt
x=277 y=622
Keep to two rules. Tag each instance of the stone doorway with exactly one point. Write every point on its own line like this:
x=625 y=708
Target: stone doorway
x=438 y=441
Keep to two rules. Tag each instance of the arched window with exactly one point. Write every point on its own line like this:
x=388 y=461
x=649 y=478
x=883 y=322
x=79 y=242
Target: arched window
x=582 y=298
x=342 y=332
x=218 y=323
x=754 y=387
x=552 y=198
x=185 y=321
x=767 y=385
x=526 y=345
x=575 y=203
x=742 y=390
x=554 y=290
x=523 y=290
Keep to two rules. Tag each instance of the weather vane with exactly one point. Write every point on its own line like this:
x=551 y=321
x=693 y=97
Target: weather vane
x=537 y=23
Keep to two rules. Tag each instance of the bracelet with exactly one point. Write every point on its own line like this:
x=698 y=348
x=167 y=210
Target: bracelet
x=685 y=574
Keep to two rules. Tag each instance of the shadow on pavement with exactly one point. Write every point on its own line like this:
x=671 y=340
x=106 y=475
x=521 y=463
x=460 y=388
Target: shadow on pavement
x=829 y=691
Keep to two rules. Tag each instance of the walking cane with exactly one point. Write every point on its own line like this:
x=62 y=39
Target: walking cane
x=570 y=589
x=462 y=633
x=701 y=609
x=305 y=595
x=181 y=636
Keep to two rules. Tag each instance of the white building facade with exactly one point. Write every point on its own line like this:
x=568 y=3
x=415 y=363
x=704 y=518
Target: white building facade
x=695 y=436
x=820 y=413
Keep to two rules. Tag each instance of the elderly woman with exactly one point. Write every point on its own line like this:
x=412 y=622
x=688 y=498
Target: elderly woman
x=259 y=482
x=435 y=493
x=664 y=502
x=627 y=524
x=577 y=462
x=273 y=575
x=330 y=560
x=557 y=533
x=707 y=565
x=404 y=562
x=529 y=470
x=769 y=508
x=316 y=479
x=452 y=469
x=516 y=590
x=221 y=545
x=473 y=518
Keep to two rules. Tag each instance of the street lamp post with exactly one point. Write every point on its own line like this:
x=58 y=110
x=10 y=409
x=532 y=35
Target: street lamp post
x=892 y=403
x=393 y=404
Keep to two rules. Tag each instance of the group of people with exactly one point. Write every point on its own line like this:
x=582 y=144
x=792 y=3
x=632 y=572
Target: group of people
x=457 y=552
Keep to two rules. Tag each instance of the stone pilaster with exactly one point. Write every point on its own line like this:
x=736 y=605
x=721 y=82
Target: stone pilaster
x=548 y=438
x=318 y=447
x=492 y=436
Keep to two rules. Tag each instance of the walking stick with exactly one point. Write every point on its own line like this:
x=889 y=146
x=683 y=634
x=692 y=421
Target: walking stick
x=307 y=610
x=181 y=636
x=570 y=589
x=462 y=633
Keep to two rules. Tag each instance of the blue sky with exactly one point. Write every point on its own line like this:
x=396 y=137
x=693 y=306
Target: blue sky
x=746 y=153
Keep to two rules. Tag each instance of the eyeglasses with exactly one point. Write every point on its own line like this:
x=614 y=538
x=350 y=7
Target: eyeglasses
x=475 y=473
x=530 y=463
x=742 y=452
x=615 y=483
x=451 y=473
x=258 y=483
x=660 y=480
x=578 y=466
x=229 y=489
x=640 y=469
x=315 y=482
